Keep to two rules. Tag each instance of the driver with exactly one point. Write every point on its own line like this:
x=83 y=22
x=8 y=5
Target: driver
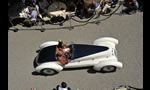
x=63 y=51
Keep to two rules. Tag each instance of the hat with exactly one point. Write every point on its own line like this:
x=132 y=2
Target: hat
x=64 y=84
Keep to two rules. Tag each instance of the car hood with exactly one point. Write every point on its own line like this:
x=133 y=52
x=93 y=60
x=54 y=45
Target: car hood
x=80 y=50
x=47 y=54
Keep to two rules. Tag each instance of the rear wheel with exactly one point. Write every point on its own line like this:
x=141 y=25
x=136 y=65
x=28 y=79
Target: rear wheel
x=107 y=69
x=48 y=71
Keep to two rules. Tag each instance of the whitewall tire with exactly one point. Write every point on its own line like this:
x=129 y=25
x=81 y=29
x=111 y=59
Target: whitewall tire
x=48 y=71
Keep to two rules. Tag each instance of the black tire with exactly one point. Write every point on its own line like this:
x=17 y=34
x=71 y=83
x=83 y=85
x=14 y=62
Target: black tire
x=48 y=71
x=108 y=69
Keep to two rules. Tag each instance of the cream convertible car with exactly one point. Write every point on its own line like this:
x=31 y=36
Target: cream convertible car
x=102 y=56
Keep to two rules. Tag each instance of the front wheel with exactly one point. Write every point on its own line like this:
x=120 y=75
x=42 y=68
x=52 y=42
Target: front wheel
x=48 y=71
x=107 y=69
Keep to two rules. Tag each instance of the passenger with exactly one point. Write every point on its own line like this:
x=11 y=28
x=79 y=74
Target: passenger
x=131 y=7
x=63 y=47
x=62 y=58
x=63 y=52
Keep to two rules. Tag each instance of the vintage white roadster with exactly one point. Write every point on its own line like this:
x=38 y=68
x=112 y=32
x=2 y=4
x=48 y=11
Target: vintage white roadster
x=102 y=56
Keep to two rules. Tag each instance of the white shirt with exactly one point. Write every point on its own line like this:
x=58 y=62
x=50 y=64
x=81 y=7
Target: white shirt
x=60 y=88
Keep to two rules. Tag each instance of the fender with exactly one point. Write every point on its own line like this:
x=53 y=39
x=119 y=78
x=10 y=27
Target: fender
x=54 y=66
x=49 y=43
x=106 y=41
x=102 y=64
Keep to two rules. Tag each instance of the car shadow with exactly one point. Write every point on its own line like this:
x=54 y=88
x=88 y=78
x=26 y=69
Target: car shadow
x=90 y=70
x=40 y=74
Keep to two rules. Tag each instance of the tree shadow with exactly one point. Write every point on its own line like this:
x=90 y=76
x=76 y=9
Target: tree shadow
x=43 y=29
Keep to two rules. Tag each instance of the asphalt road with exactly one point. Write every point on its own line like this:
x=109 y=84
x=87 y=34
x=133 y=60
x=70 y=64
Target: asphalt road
x=127 y=29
